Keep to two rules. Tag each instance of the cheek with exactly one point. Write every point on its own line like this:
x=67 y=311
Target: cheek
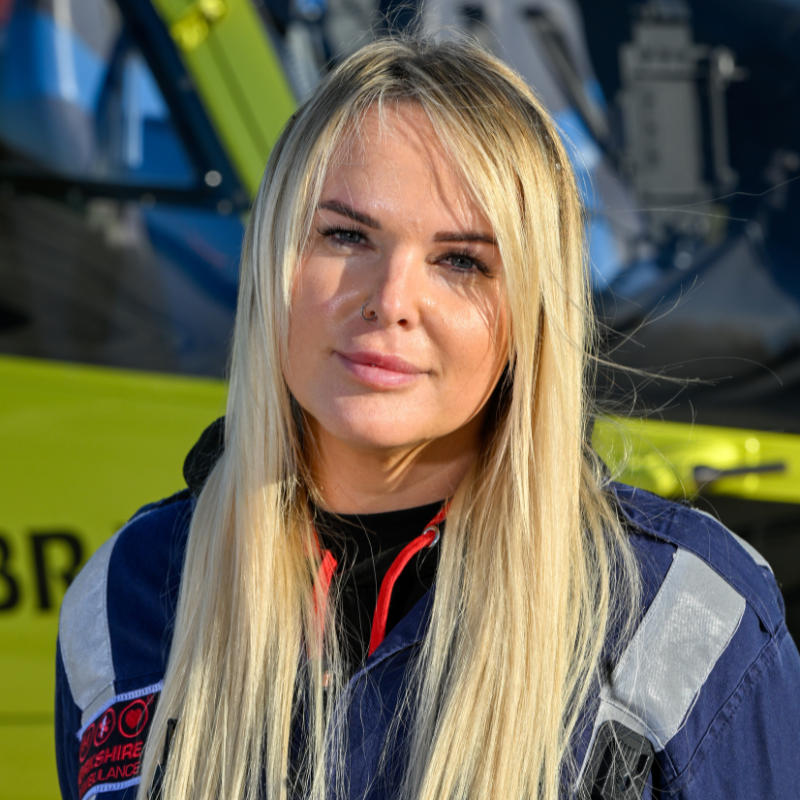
x=306 y=313
x=310 y=293
x=313 y=305
x=473 y=345
x=321 y=307
x=476 y=334
x=321 y=296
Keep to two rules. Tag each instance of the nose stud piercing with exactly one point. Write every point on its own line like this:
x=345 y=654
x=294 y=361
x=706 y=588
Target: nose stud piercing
x=371 y=318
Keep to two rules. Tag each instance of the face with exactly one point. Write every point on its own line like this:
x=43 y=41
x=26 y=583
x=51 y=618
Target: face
x=396 y=236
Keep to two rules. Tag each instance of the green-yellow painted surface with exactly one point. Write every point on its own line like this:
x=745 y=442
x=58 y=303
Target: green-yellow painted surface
x=27 y=763
x=238 y=76
x=82 y=449
x=662 y=457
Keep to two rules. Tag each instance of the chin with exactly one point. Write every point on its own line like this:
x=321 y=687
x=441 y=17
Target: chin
x=380 y=428
x=389 y=436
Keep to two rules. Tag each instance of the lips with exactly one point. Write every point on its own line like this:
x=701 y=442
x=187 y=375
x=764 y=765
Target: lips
x=379 y=369
x=382 y=361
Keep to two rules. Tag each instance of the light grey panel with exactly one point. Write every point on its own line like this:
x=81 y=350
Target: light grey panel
x=84 y=635
x=685 y=631
x=102 y=699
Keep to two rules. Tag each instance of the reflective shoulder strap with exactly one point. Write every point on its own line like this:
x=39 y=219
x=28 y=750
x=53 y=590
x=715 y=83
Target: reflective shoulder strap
x=84 y=634
x=659 y=676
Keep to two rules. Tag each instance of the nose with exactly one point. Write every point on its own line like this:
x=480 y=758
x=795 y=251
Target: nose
x=398 y=289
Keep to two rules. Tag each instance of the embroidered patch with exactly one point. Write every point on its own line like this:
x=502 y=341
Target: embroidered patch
x=110 y=753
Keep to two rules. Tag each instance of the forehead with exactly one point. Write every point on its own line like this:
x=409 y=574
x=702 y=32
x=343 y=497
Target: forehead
x=395 y=152
x=389 y=124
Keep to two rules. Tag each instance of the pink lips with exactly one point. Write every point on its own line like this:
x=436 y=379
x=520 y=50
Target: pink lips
x=379 y=369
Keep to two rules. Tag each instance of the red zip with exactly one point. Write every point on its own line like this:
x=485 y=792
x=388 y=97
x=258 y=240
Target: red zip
x=426 y=539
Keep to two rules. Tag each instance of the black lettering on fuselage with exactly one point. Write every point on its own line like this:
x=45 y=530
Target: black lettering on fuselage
x=9 y=585
x=43 y=545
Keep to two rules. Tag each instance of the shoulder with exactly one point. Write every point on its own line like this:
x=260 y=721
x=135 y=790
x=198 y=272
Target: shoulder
x=114 y=626
x=113 y=644
x=711 y=676
x=663 y=531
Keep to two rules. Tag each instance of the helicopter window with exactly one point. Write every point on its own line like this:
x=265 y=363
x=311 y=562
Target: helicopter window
x=78 y=99
x=105 y=258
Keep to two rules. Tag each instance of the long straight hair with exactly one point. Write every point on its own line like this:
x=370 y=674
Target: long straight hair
x=534 y=565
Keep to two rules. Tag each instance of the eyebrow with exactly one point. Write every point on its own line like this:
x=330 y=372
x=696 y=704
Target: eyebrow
x=348 y=211
x=466 y=236
x=446 y=236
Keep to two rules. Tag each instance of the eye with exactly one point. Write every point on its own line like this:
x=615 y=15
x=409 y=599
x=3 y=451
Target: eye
x=345 y=236
x=465 y=261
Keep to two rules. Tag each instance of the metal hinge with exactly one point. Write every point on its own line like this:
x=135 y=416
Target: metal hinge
x=618 y=765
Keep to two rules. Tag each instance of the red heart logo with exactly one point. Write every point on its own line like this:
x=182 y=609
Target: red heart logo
x=132 y=718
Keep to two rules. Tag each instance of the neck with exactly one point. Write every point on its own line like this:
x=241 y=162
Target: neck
x=356 y=479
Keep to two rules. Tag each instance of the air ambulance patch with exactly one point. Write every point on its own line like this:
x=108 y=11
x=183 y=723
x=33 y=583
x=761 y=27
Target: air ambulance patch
x=110 y=754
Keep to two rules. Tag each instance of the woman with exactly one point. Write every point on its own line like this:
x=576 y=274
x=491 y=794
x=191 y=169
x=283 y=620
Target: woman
x=411 y=344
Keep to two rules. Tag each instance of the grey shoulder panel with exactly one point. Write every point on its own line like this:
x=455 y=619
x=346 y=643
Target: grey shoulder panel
x=84 y=634
x=690 y=622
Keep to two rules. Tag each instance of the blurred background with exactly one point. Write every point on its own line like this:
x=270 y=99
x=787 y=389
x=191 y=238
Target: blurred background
x=133 y=134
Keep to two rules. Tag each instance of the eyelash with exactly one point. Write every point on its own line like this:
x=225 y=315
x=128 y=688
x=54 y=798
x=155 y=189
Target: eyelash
x=469 y=255
x=330 y=233
x=463 y=252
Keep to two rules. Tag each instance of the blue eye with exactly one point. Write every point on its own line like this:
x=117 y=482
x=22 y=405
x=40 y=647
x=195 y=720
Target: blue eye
x=465 y=262
x=351 y=237
x=343 y=235
x=461 y=262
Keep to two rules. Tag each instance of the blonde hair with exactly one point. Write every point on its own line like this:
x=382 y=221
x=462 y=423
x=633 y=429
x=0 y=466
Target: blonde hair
x=534 y=566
